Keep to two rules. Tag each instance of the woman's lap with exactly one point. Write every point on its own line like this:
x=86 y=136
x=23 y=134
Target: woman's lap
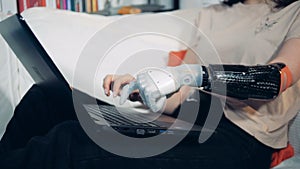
x=66 y=145
x=37 y=113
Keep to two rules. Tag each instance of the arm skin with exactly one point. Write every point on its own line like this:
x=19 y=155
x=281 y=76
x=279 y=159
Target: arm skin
x=290 y=55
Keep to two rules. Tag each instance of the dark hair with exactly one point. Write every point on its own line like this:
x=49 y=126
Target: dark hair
x=279 y=3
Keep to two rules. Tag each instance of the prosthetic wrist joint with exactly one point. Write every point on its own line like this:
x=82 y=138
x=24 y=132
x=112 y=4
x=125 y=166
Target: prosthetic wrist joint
x=189 y=74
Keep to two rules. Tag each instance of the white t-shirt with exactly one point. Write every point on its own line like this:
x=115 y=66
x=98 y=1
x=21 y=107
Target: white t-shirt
x=251 y=35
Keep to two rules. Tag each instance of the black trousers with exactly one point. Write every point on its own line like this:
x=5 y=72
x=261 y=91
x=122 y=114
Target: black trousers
x=44 y=133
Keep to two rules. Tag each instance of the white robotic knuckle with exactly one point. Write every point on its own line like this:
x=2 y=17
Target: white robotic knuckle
x=156 y=94
x=140 y=76
x=187 y=80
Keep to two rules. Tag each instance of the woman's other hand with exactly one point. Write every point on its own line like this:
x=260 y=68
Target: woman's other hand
x=115 y=83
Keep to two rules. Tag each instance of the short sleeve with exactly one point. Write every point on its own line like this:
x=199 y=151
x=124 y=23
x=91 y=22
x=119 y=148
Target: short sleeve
x=294 y=31
x=195 y=35
x=202 y=20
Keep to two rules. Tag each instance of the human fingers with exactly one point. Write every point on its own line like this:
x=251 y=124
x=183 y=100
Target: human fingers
x=107 y=81
x=119 y=82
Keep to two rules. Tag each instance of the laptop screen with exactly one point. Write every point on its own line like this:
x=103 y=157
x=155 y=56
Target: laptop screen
x=29 y=51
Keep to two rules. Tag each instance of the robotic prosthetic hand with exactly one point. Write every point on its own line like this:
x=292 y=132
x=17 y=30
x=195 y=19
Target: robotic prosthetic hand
x=241 y=82
x=154 y=83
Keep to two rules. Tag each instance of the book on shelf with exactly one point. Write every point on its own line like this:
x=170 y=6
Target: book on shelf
x=88 y=6
x=91 y=6
x=94 y=5
x=24 y=4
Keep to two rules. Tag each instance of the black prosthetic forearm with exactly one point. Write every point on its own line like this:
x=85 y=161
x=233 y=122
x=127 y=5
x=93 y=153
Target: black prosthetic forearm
x=244 y=82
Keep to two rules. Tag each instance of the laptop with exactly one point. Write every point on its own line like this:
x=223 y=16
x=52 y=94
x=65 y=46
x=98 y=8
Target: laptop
x=42 y=69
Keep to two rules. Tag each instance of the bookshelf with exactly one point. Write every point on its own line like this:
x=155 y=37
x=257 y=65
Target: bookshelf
x=88 y=6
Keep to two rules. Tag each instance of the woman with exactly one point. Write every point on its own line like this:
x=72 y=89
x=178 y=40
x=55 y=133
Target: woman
x=258 y=32
x=244 y=35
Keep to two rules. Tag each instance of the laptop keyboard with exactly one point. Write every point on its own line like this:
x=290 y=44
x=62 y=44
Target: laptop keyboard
x=113 y=117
